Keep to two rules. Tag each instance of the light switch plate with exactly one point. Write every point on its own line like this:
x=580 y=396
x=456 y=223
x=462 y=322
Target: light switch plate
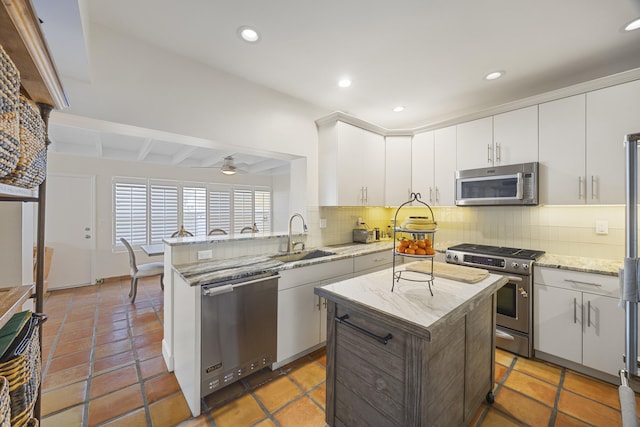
x=602 y=227
x=323 y=223
x=208 y=254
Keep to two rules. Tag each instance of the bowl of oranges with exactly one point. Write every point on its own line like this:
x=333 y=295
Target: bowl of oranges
x=415 y=247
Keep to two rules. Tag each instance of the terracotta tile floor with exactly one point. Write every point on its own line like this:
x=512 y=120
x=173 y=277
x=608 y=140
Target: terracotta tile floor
x=103 y=367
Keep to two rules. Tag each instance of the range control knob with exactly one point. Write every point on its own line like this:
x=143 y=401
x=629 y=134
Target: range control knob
x=515 y=265
x=525 y=266
x=448 y=256
x=455 y=257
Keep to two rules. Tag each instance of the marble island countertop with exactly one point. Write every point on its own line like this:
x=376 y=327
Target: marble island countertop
x=410 y=302
x=214 y=271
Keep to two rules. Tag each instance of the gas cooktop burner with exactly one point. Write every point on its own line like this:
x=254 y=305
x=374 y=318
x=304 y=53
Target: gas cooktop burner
x=498 y=251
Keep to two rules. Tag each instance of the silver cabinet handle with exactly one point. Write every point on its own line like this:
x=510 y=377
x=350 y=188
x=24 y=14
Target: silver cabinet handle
x=319 y=303
x=498 y=153
x=588 y=314
x=431 y=194
x=593 y=187
x=87 y=236
x=575 y=308
x=437 y=195
x=580 y=185
x=366 y=195
x=504 y=335
x=324 y=302
x=488 y=153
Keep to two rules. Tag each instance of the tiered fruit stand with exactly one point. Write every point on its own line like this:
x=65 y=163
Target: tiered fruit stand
x=416 y=234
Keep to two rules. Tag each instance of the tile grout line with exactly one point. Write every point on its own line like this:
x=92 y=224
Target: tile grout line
x=554 y=410
x=92 y=355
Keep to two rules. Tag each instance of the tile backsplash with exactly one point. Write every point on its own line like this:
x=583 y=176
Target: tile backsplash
x=563 y=230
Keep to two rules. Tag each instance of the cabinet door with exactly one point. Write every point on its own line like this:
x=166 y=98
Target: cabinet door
x=373 y=156
x=603 y=342
x=474 y=146
x=397 y=170
x=422 y=166
x=515 y=136
x=351 y=149
x=445 y=166
x=298 y=320
x=558 y=322
x=612 y=113
x=562 y=151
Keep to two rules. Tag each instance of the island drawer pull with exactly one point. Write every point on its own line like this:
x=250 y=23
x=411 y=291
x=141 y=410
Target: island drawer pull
x=343 y=319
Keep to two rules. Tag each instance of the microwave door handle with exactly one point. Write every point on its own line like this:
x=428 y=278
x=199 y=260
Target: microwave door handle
x=520 y=186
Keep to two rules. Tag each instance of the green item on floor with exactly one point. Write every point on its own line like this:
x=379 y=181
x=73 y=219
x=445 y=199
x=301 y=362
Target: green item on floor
x=11 y=330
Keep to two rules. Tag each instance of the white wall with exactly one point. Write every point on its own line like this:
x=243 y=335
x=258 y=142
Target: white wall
x=139 y=84
x=108 y=263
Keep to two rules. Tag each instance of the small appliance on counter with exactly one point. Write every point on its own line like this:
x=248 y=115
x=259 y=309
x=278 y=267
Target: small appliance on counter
x=361 y=235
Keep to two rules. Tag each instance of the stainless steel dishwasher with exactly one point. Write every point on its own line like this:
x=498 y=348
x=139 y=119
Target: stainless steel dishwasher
x=239 y=329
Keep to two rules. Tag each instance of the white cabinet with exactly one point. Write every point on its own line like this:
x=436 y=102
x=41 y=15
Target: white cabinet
x=475 y=144
x=515 y=136
x=397 y=185
x=503 y=139
x=433 y=166
x=300 y=311
x=365 y=264
x=351 y=166
x=612 y=113
x=577 y=318
x=562 y=176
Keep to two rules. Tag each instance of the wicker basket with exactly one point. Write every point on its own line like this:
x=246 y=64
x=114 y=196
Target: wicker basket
x=23 y=372
x=9 y=114
x=30 y=169
x=5 y=404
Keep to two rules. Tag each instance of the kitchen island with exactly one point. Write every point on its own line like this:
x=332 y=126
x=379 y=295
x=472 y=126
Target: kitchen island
x=406 y=358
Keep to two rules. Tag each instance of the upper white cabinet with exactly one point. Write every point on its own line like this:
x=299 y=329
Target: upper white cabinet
x=433 y=166
x=562 y=176
x=422 y=161
x=612 y=113
x=503 y=139
x=351 y=166
x=444 y=166
x=397 y=170
x=515 y=136
x=475 y=144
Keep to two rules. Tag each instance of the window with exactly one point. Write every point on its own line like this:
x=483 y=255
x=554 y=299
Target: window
x=130 y=213
x=242 y=209
x=149 y=211
x=194 y=210
x=164 y=211
x=262 y=210
x=220 y=209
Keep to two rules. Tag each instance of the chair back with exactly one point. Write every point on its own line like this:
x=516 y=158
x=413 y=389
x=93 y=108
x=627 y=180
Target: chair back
x=132 y=256
x=215 y=231
x=246 y=230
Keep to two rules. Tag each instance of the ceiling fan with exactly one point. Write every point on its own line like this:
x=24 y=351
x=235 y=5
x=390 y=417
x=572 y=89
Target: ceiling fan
x=229 y=166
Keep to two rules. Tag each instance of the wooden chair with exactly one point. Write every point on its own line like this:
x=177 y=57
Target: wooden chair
x=182 y=233
x=246 y=230
x=217 y=231
x=141 y=270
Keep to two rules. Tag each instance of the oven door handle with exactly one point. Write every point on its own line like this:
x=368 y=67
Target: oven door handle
x=514 y=279
x=504 y=335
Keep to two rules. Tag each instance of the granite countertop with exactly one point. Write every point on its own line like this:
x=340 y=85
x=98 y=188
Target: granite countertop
x=585 y=264
x=410 y=303
x=194 y=240
x=218 y=271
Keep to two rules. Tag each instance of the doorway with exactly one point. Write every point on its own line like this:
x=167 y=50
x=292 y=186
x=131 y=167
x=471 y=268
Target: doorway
x=69 y=229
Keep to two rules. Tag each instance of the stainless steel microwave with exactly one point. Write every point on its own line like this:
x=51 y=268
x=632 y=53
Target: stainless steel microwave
x=501 y=185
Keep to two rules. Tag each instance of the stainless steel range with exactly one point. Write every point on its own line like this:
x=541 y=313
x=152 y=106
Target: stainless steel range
x=514 y=300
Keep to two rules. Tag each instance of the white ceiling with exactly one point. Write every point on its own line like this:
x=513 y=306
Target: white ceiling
x=428 y=55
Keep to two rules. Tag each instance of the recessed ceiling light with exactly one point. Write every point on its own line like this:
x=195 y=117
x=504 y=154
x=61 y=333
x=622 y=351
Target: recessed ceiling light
x=248 y=34
x=398 y=109
x=345 y=82
x=633 y=25
x=494 y=75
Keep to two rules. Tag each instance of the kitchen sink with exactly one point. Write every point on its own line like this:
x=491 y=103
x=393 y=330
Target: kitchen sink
x=304 y=255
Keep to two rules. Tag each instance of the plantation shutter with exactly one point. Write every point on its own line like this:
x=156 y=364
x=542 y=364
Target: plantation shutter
x=194 y=210
x=220 y=210
x=262 y=210
x=164 y=212
x=130 y=216
x=242 y=209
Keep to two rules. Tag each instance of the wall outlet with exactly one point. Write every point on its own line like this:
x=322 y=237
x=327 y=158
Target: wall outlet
x=323 y=223
x=208 y=254
x=602 y=227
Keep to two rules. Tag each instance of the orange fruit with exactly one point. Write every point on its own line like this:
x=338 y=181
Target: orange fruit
x=427 y=242
x=420 y=251
x=401 y=249
x=430 y=251
x=403 y=243
x=421 y=244
x=410 y=251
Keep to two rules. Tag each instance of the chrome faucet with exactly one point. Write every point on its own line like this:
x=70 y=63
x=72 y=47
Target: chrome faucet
x=291 y=244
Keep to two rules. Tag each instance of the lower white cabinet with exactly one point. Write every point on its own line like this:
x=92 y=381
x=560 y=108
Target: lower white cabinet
x=577 y=318
x=300 y=311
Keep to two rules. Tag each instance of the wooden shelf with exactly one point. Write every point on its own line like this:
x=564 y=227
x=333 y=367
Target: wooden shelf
x=11 y=300
x=22 y=39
